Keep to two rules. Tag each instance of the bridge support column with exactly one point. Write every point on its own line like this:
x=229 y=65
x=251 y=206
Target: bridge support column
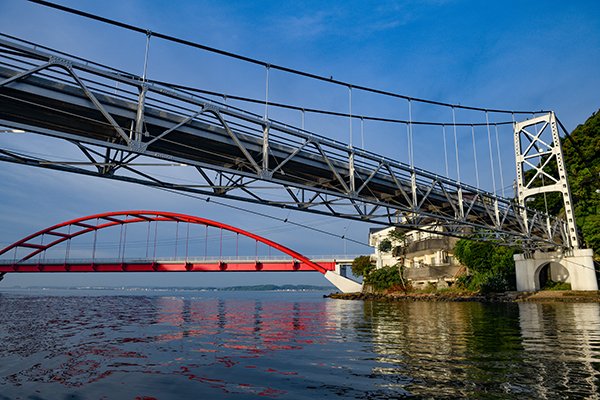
x=344 y=285
x=579 y=264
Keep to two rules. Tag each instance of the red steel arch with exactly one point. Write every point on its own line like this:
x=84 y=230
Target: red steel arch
x=91 y=223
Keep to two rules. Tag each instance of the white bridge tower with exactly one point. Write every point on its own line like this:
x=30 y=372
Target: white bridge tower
x=538 y=149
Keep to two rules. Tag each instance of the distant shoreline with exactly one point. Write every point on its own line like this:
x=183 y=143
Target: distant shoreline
x=550 y=296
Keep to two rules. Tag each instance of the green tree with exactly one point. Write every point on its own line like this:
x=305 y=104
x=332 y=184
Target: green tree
x=491 y=267
x=590 y=228
x=385 y=246
x=362 y=266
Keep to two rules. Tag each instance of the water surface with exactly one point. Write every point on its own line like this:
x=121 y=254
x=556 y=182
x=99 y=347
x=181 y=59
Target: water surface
x=170 y=345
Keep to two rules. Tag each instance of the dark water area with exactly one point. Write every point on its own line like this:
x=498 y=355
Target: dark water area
x=290 y=345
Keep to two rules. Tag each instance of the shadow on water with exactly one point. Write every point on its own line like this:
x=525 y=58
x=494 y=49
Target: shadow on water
x=293 y=346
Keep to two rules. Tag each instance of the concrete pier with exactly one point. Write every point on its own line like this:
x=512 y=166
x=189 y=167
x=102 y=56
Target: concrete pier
x=575 y=267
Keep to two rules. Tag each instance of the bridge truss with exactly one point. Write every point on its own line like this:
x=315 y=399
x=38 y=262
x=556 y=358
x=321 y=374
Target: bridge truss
x=118 y=120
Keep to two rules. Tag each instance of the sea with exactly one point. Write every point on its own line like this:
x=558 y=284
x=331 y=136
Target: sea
x=147 y=344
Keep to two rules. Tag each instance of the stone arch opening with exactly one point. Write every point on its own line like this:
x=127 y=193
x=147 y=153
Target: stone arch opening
x=551 y=272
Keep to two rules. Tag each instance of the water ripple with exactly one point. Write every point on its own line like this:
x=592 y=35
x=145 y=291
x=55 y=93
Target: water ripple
x=293 y=346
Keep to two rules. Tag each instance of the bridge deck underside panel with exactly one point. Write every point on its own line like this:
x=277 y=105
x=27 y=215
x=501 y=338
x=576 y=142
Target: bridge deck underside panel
x=165 y=267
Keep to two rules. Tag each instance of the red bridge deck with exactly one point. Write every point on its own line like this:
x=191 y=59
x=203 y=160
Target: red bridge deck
x=166 y=266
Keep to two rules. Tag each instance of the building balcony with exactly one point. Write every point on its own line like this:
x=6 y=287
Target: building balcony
x=416 y=248
x=426 y=272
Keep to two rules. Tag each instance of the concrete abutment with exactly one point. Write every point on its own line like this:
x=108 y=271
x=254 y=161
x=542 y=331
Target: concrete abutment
x=578 y=263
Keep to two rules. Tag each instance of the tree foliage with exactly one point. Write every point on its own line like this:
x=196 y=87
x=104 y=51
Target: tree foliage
x=385 y=277
x=385 y=246
x=491 y=267
x=362 y=266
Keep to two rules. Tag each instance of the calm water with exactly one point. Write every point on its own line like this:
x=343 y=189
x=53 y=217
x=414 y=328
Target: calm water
x=110 y=345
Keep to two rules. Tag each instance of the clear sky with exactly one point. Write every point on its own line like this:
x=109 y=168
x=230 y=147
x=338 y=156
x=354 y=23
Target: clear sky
x=512 y=54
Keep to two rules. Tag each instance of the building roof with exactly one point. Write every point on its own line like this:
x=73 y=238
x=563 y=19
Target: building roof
x=375 y=230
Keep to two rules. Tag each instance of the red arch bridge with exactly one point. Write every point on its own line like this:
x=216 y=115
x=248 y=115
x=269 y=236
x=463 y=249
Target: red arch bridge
x=53 y=250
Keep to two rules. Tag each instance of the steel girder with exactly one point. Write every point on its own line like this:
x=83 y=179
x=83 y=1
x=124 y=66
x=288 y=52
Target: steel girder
x=118 y=119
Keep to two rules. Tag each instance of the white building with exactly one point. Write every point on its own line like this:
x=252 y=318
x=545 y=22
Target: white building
x=427 y=256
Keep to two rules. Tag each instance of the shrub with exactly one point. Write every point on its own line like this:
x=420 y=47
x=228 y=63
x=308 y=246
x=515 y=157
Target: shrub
x=463 y=281
x=551 y=285
x=491 y=267
x=492 y=283
x=384 y=278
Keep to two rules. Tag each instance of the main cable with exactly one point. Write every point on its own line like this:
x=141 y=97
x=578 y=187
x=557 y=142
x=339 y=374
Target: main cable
x=264 y=63
x=193 y=91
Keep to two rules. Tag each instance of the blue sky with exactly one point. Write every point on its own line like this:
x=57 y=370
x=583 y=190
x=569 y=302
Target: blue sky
x=511 y=54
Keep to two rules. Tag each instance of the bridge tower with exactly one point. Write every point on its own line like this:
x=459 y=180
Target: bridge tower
x=540 y=170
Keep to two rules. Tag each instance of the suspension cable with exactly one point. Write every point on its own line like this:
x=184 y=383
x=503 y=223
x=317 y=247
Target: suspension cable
x=410 y=136
x=456 y=146
x=362 y=133
x=445 y=151
x=205 y=241
x=176 y=237
x=155 y=237
x=42 y=255
x=148 y=239
x=94 y=245
x=307 y=109
x=267 y=94
x=192 y=91
x=187 y=241
x=350 y=113
x=475 y=155
x=68 y=250
x=148 y=35
x=487 y=123
x=125 y=237
x=499 y=161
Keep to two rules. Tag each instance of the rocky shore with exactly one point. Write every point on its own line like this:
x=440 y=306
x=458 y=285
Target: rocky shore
x=565 y=296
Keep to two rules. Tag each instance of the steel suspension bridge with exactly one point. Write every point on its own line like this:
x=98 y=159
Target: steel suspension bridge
x=124 y=124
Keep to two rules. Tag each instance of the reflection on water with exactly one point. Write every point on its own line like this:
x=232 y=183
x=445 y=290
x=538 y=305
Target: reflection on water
x=476 y=350
x=293 y=345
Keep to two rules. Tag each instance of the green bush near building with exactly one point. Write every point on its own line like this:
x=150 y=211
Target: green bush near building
x=491 y=268
x=384 y=278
